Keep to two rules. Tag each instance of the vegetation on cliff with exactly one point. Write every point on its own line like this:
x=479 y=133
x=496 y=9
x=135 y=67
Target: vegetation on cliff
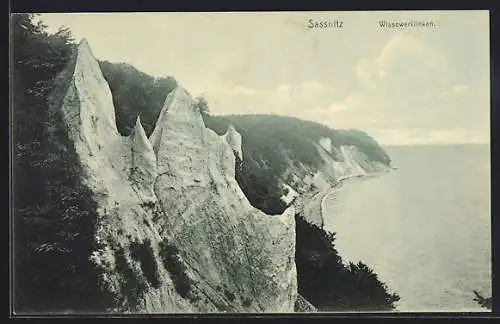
x=328 y=283
x=485 y=302
x=135 y=94
x=53 y=213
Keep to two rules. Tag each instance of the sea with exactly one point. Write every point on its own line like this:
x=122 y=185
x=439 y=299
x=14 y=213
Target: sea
x=425 y=228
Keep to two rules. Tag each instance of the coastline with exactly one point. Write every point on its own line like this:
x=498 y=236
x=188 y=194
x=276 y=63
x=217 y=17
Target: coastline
x=311 y=204
x=340 y=183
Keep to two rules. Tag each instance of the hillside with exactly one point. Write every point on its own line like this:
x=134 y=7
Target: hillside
x=273 y=145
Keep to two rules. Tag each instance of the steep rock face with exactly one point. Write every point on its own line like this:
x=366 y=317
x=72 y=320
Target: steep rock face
x=352 y=162
x=176 y=233
x=326 y=143
x=227 y=244
x=337 y=163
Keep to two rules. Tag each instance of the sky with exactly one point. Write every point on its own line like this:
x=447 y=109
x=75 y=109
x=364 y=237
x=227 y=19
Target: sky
x=403 y=86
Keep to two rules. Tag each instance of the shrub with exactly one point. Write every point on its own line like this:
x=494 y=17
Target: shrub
x=229 y=295
x=247 y=302
x=133 y=287
x=143 y=253
x=169 y=254
x=482 y=301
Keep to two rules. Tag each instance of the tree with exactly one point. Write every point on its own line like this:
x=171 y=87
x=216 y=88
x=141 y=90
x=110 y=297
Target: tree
x=201 y=105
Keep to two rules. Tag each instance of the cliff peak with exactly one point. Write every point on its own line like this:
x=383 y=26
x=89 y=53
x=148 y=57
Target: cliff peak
x=138 y=126
x=143 y=161
x=233 y=138
x=88 y=104
x=178 y=109
x=84 y=42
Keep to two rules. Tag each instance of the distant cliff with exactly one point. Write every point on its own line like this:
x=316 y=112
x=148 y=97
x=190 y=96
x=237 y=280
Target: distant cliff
x=284 y=156
x=147 y=206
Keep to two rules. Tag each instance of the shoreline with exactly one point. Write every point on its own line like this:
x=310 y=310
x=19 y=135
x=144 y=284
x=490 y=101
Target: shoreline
x=312 y=203
x=340 y=182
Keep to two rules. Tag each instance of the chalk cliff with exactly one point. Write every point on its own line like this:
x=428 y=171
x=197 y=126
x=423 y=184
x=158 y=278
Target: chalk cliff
x=176 y=233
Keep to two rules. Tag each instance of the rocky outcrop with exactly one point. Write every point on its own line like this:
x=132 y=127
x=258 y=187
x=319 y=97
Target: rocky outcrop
x=175 y=233
x=233 y=138
x=143 y=161
x=348 y=161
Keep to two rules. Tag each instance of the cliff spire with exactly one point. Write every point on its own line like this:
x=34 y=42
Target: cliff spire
x=233 y=138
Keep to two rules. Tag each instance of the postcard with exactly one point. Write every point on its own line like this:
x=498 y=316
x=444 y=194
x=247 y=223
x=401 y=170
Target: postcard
x=251 y=162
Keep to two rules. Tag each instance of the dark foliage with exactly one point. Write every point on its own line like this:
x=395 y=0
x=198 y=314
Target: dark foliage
x=148 y=205
x=259 y=172
x=261 y=188
x=201 y=105
x=229 y=295
x=136 y=94
x=54 y=213
x=247 y=302
x=329 y=284
x=143 y=253
x=295 y=136
x=169 y=254
x=133 y=286
x=482 y=301
x=266 y=135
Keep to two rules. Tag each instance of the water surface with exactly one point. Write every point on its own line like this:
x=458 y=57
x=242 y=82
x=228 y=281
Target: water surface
x=424 y=228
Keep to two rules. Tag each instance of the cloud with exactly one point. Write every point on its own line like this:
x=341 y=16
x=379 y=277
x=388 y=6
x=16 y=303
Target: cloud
x=368 y=72
x=456 y=90
x=311 y=90
x=296 y=99
x=284 y=88
x=412 y=83
x=313 y=87
x=407 y=92
x=336 y=107
x=242 y=90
